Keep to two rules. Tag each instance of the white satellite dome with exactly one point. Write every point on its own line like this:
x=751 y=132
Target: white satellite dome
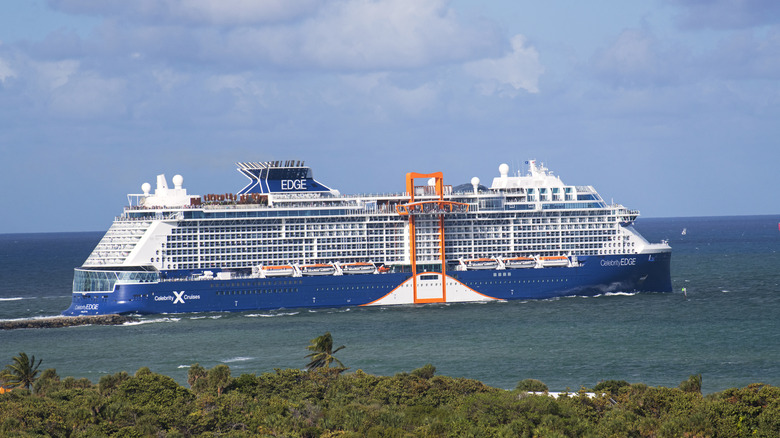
x=146 y=187
x=178 y=180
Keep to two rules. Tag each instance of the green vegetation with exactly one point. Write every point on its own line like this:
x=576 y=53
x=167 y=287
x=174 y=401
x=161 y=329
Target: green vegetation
x=322 y=352
x=531 y=385
x=610 y=386
x=424 y=372
x=22 y=372
x=324 y=402
x=693 y=384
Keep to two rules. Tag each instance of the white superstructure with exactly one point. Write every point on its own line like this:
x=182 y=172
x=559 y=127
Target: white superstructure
x=530 y=215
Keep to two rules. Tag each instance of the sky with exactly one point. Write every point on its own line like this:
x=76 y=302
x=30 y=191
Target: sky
x=670 y=107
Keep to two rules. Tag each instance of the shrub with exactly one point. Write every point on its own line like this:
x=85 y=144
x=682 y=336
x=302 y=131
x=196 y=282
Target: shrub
x=531 y=385
x=693 y=384
x=425 y=372
x=610 y=386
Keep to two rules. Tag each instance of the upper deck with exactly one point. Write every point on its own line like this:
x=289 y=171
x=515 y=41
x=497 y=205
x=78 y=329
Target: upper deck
x=290 y=185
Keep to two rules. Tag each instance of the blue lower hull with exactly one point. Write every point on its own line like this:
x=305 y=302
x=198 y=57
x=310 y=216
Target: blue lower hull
x=595 y=275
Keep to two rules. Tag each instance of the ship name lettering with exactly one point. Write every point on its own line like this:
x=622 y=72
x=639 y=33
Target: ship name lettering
x=625 y=261
x=192 y=297
x=87 y=307
x=293 y=184
x=163 y=298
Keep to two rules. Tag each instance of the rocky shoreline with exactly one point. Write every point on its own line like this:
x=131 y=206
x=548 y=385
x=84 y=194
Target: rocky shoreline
x=66 y=321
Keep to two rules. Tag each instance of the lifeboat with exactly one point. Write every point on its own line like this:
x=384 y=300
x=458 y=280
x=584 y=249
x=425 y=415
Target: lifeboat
x=318 y=269
x=358 y=268
x=481 y=264
x=519 y=262
x=278 y=271
x=555 y=261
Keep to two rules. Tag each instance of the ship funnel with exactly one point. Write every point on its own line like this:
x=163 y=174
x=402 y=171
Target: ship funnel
x=162 y=183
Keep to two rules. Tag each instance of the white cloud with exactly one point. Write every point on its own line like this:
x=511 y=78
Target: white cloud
x=231 y=12
x=520 y=69
x=391 y=34
x=363 y=35
x=344 y=35
x=5 y=70
x=197 y=12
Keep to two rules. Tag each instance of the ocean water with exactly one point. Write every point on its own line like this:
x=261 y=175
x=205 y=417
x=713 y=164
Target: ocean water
x=726 y=325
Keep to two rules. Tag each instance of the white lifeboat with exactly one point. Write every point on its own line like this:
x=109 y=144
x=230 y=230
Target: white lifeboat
x=555 y=261
x=358 y=268
x=519 y=262
x=483 y=263
x=277 y=271
x=318 y=269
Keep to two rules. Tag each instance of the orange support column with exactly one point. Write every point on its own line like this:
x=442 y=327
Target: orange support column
x=443 y=263
x=413 y=254
x=410 y=177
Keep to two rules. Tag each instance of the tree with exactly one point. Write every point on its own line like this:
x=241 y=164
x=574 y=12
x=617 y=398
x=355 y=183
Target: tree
x=215 y=379
x=22 y=372
x=219 y=377
x=47 y=381
x=322 y=356
x=195 y=373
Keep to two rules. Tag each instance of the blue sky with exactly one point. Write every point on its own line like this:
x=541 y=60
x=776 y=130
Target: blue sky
x=671 y=107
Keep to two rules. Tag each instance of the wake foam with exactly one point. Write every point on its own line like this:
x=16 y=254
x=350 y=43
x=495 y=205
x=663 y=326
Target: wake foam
x=152 y=321
x=270 y=315
x=237 y=359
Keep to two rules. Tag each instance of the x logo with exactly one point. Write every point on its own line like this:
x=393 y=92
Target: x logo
x=178 y=298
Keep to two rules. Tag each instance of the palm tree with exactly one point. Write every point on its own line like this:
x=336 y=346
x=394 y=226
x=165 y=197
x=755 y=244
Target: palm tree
x=22 y=372
x=219 y=377
x=322 y=356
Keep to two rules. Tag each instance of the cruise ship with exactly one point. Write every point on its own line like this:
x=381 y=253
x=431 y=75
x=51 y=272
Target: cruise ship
x=286 y=240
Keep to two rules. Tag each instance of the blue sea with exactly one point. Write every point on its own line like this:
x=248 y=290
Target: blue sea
x=726 y=325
